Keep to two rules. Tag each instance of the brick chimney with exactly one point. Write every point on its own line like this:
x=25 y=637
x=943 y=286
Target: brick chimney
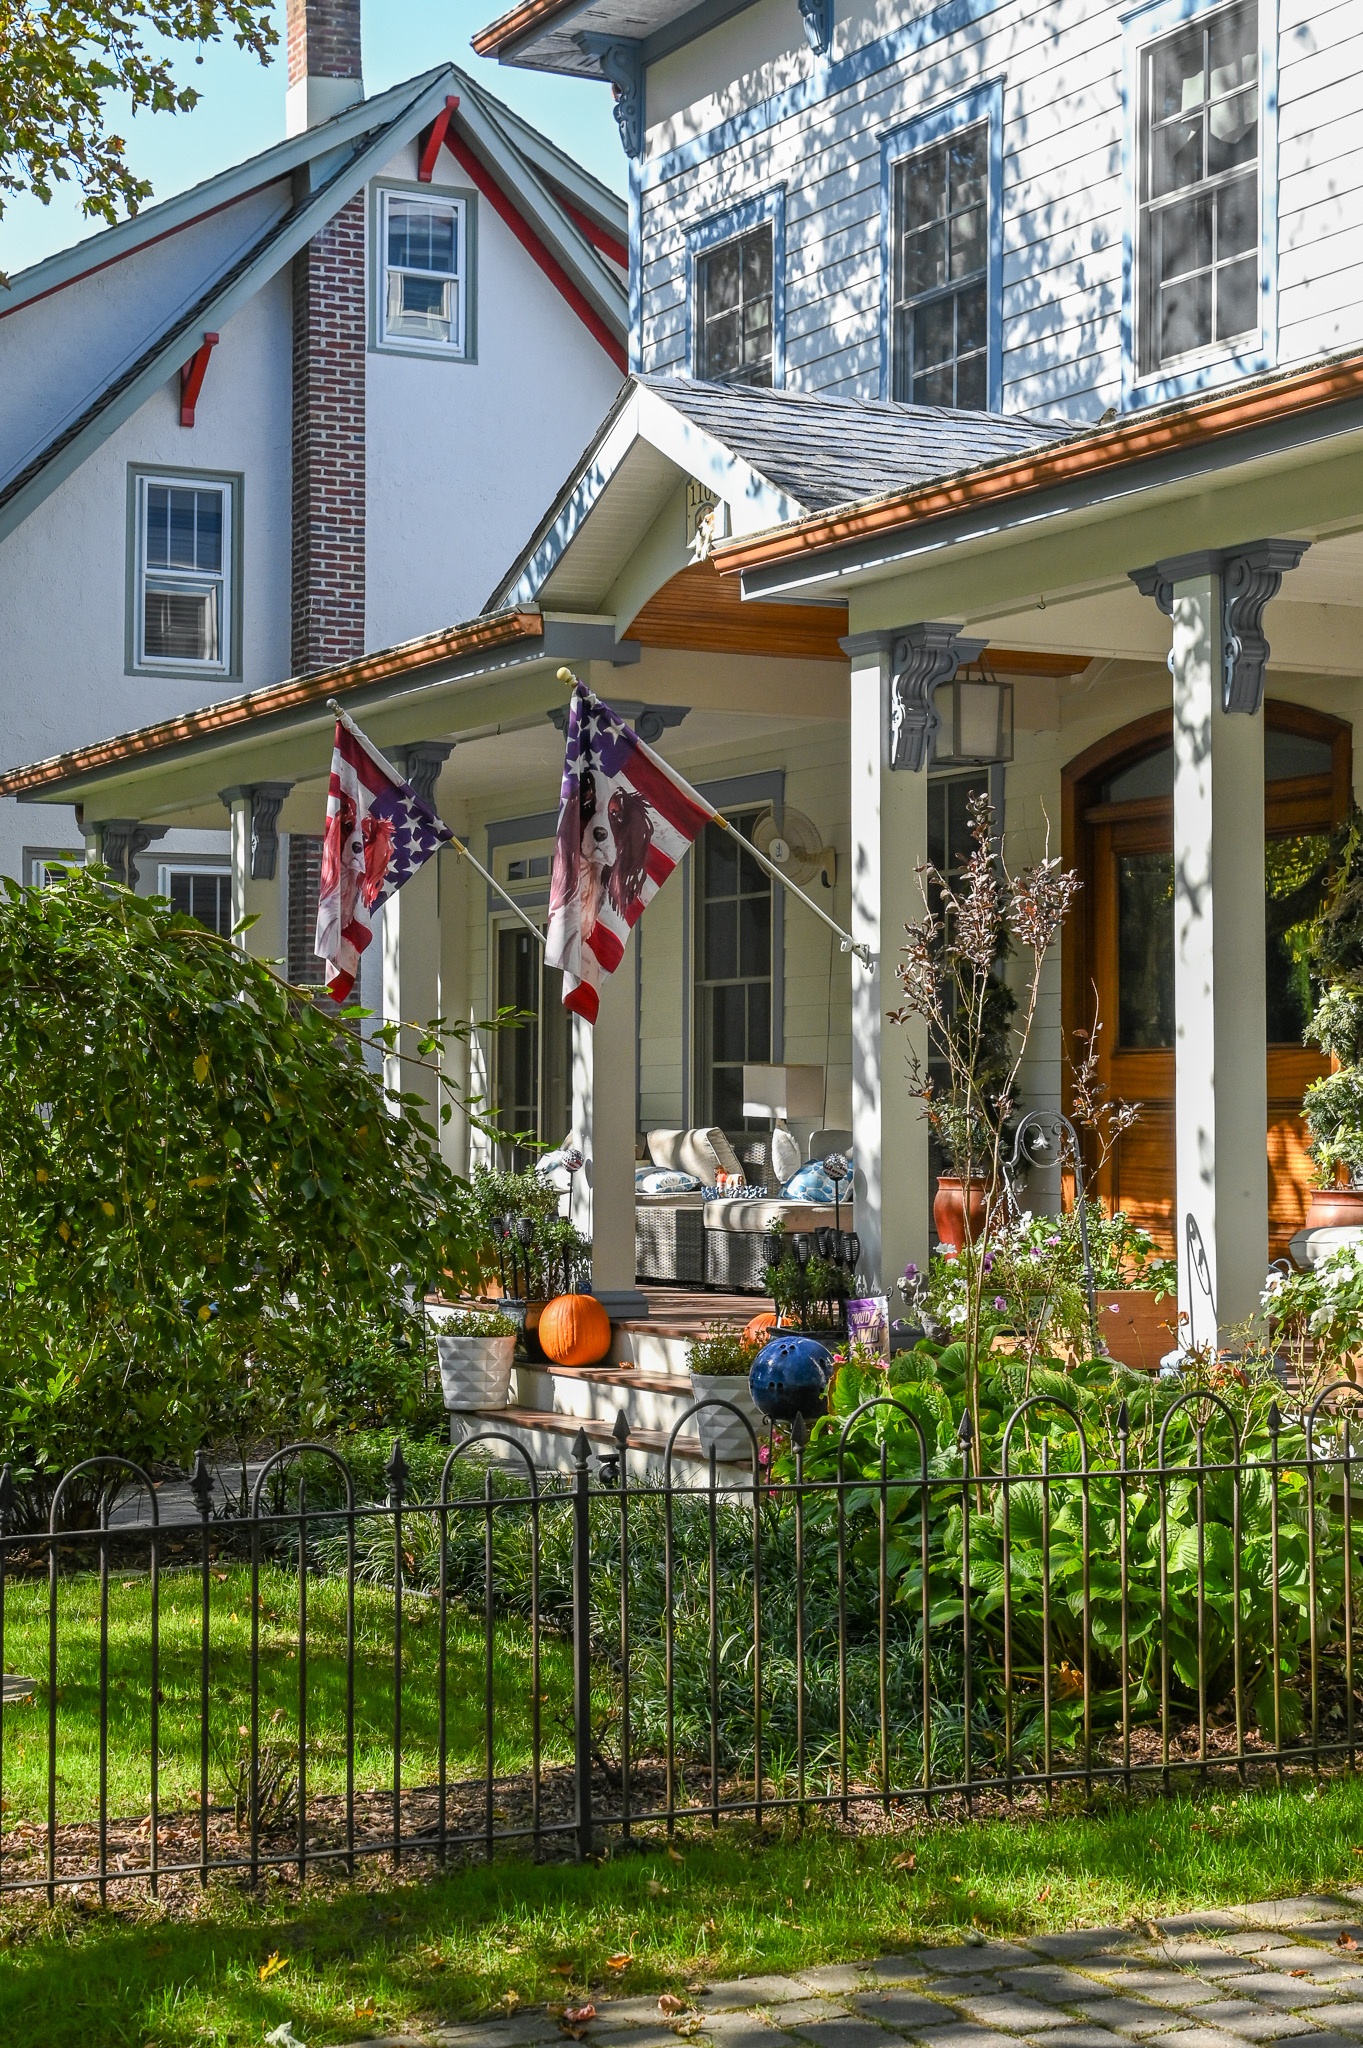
x=324 y=61
x=328 y=557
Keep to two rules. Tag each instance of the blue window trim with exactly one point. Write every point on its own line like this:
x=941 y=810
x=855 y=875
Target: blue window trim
x=1142 y=26
x=983 y=104
x=718 y=228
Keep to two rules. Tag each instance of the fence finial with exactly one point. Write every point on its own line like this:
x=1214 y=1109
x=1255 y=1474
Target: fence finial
x=965 y=1434
x=620 y=1428
x=1123 y=1420
x=201 y=1484
x=1275 y=1421
x=582 y=1448
x=396 y=1471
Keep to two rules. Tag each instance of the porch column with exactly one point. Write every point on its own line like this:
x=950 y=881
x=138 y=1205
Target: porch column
x=894 y=677
x=257 y=879
x=605 y=1089
x=1217 y=662
x=411 y=947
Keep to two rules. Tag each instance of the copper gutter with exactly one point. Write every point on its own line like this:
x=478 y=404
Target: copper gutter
x=1122 y=445
x=499 y=629
x=510 y=27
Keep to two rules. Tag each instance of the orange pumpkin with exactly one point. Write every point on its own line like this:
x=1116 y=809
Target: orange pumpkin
x=760 y=1327
x=574 y=1329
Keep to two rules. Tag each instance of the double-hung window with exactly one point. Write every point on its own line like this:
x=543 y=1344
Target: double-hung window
x=184 y=542
x=1199 y=189
x=735 y=322
x=201 y=891
x=423 y=301
x=940 y=306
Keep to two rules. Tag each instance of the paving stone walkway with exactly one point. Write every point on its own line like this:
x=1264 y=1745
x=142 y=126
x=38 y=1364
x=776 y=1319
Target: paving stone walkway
x=1286 y=1971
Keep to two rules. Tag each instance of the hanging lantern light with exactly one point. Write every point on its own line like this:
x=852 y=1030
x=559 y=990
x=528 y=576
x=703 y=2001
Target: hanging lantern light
x=976 y=719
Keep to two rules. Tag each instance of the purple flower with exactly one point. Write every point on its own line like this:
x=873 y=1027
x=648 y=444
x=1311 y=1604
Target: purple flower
x=988 y=1262
x=911 y=1272
x=1052 y=1240
x=999 y=1301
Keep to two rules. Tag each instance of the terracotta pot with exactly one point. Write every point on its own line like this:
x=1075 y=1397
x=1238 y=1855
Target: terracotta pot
x=1332 y=1208
x=959 y=1209
x=1136 y=1327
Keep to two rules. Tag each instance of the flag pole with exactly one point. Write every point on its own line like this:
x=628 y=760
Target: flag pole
x=456 y=842
x=845 y=939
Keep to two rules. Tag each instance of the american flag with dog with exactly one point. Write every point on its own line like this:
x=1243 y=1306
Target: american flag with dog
x=625 y=820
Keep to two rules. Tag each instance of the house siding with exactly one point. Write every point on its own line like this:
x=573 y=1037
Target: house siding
x=747 y=107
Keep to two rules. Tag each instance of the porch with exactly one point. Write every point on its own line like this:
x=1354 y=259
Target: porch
x=1181 y=694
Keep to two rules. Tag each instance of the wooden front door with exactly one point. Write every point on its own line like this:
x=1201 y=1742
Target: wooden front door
x=1120 y=827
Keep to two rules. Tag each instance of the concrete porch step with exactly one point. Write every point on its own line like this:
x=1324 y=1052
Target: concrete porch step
x=651 y=1400
x=549 y=1440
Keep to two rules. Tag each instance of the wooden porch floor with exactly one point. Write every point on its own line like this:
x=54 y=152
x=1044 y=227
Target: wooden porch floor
x=683 y=1312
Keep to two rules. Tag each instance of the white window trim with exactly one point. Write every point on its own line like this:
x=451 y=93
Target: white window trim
x=421 y=345
x=178 y=664
x=204 y=865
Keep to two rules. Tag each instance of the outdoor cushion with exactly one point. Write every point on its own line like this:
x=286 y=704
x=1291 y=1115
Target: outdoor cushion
x=704 y=1153
x=663 y=1180
x=749 y=1217
x=821 y=1143
x=785 y=1154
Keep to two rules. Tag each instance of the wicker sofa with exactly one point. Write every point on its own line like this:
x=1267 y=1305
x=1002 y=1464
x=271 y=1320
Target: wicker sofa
x=686 y=1241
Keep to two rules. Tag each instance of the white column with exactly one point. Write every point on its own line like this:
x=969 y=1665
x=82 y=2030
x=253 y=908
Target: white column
x=453 y=883
x=257 y=871
x=1221 y=1105
x=889 y=841
x=603 y=1124
x=411 y=983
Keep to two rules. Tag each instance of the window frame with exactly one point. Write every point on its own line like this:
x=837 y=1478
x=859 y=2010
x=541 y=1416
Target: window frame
x=230 y=483
x=465 y=202
x=196 y=864
x=731 y=225
x=980 y=108
x=1255 y=351
x=764 y=790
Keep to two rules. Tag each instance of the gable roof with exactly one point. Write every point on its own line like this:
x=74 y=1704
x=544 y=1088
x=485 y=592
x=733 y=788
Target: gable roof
x=344 y=153
x=773 y=457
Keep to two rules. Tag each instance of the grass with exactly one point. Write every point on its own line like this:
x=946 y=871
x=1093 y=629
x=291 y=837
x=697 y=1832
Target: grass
x=349 y=1964
x=25 y=1727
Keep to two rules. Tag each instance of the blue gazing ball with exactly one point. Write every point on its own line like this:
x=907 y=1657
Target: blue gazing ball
x=789 y=1377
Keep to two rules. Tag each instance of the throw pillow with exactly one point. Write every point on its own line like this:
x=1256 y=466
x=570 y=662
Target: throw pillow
x=785 y=1155
x=813 y=1183
x=657 y=1180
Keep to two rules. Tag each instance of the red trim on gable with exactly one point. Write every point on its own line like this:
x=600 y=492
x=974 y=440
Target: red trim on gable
x=599 y=237
x=433 y=140
x=192 y=378
x=535 y=248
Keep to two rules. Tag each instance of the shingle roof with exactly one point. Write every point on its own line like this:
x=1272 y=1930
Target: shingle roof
x=825 y=451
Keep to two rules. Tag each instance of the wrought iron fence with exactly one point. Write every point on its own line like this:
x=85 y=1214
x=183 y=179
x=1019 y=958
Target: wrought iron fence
x=536 y=1661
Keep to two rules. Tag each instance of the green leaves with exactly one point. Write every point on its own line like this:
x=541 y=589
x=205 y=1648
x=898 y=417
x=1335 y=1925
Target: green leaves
x=207 y=1203
x=59 y=61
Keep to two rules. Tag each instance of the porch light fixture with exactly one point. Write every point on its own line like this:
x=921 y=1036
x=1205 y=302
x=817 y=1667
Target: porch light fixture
x=976 y=719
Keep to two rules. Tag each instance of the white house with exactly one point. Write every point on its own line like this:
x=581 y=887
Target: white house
x=1014 y=359
x=300 y=412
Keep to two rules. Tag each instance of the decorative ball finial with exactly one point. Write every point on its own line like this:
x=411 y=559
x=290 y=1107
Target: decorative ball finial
x=565 y=675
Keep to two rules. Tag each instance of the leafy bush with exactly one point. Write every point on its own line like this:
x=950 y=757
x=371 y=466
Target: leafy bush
x=215 y=1220
x=1322 y=1306
x=723 y=1352
x=523 y=1242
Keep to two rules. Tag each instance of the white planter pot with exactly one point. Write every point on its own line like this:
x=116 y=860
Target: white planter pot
x=475 y=1371
x=716 y=1427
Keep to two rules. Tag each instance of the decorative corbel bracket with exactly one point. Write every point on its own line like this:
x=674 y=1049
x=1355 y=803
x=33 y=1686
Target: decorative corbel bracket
x=192 y=376
x=265 y=801
x=650 y=721
x=420 y=765
x=621 y=62
x=922 y=658
x=817 y=17
x=1249 y=577
x=121 y=840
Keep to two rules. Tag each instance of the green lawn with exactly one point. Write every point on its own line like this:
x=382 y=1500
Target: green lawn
x=25 y=1726
x=371 y=1961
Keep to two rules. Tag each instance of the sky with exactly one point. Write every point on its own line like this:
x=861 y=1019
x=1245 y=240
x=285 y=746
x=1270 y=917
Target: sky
x=242 y=111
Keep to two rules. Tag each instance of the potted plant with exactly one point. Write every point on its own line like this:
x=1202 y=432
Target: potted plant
x=476 y=1348
x=809 y=1280
x=720 y=1362
x=528 y=1252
